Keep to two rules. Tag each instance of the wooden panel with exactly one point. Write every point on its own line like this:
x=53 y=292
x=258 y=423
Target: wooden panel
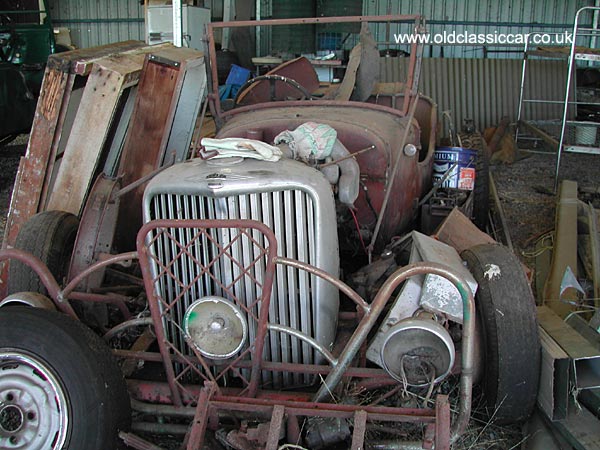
x=157 y=104
x=143 y=149
x=565 y=250
x=90 y=128
x=30 y=178
x=569 y=340
x=553 y=390
x=109 y=77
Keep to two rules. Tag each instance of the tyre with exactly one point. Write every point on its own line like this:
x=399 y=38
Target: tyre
x=511 y=346
x=481 y=191
x=49 y=235
x=60 y=387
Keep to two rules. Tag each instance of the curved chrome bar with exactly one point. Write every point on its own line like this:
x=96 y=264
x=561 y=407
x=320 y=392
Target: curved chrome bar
x=343 y=287
x=303 y=337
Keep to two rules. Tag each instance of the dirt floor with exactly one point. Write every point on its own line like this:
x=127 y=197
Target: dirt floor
x=526 y=190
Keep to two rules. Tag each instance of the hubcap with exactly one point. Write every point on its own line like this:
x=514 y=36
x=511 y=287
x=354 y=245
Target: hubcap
x=33 y=404
x=11 y=419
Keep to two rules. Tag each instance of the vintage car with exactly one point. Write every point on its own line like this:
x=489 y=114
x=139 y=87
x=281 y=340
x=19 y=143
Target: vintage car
x=269 y=299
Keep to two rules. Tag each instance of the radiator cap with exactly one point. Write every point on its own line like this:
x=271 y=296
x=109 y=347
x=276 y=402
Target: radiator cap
x=216 y=327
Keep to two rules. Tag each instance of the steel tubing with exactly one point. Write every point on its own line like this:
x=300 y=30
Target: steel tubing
x=360 y=335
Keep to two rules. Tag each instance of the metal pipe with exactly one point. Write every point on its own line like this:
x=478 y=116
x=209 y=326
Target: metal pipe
x=570 y=75
x=316 y=20
x=303 y=337
x=351 y=155
x=163 y=410
x=133 y=441
x=43 y=273
x=394 y=445
x=390 y=184
x=159 y=428
x=377 y=306
x=343 y=287
x=70 y=287
x=155 y=311
x=127 y=324
x=102 y=298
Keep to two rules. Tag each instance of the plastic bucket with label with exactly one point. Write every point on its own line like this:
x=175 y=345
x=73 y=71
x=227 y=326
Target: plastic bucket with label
x=462 y=175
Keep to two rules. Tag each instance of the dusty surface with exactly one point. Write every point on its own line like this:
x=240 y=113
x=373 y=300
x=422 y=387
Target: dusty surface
x=526 y=190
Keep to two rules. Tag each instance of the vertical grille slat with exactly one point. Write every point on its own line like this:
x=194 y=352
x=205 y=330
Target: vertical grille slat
x=303 y=290
x=291 y=216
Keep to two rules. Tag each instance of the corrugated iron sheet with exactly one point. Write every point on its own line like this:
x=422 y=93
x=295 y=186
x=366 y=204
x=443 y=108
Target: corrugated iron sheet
x=485 y=89
x=99 y=22
x=501 y=16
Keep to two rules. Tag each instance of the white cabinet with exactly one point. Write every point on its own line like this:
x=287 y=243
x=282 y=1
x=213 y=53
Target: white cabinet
x=159 y=25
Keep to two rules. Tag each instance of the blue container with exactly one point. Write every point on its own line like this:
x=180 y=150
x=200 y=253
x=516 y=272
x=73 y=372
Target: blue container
x=237 y=75
x=463 y=175
x=329 y=41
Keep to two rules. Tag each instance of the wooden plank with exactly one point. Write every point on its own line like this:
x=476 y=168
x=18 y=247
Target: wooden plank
x=581 y=429
x=87 y=138
x=28 y=186
x=550 y=140
x=553 y=390
x=80 y=61
x=275 y=428
x=25 y=198
x=65 y=119
x=575 y=345
x=360 y=428
x=565 y=249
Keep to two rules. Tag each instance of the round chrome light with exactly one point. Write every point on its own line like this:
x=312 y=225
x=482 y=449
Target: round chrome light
x=216 y=327
x=418 y=351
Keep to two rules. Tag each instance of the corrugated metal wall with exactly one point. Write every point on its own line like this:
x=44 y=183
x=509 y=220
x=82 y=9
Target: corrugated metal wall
x=484 y=89
x=104 y=21
x=502 y=16
x=99 y=22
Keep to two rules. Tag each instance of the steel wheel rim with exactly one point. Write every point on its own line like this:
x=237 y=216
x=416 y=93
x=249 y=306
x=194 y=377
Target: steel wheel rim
x=33 y=404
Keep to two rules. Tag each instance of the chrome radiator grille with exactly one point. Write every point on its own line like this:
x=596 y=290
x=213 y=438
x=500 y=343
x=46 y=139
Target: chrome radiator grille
x=293 y=200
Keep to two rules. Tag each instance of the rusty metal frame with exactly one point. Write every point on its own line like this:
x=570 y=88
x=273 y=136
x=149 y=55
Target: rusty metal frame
x=153 y=269
x=61 y=297
x=413 y=67
x=250 y=397
x=211 y=405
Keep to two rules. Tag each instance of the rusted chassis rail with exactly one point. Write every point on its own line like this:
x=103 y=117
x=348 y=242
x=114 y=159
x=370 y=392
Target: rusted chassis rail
x=340 y=367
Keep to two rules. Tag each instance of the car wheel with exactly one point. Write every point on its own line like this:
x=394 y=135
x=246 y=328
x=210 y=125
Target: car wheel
x=511 y=346
x=60 y=387
x=49 y=235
